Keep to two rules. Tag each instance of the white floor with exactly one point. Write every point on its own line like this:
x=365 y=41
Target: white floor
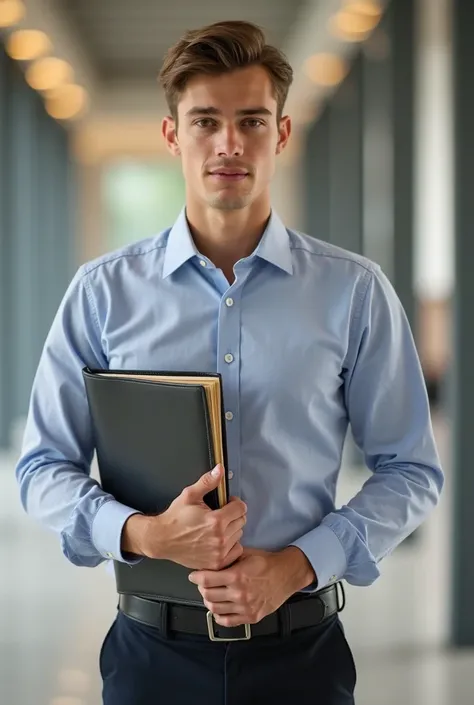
x=53 y=617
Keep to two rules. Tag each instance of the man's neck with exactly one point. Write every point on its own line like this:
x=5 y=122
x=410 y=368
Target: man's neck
x=226 y=237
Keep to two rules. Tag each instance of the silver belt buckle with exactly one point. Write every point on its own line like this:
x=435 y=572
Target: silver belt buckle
x=213 y=637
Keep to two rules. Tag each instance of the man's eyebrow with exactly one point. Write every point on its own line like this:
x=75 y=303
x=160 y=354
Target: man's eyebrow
x=202 y=110
x=255 y=111
x=198 y=110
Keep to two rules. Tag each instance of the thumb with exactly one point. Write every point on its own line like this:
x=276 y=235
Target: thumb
x=207 y=482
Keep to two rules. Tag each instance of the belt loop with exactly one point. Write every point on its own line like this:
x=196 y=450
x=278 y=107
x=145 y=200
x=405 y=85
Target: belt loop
x=342 y=602
x=284 y=614
x=164 y=619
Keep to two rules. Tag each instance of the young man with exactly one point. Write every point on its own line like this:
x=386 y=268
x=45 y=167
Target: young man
x=307 y=337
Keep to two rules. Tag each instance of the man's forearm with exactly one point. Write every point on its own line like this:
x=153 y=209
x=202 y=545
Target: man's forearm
x=295 y=566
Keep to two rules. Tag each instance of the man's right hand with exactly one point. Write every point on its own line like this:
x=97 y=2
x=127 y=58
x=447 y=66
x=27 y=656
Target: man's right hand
x=189 y=532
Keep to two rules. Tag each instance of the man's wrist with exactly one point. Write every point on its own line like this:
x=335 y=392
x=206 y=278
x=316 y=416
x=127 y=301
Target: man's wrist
x=298 y=567
x=133 y=540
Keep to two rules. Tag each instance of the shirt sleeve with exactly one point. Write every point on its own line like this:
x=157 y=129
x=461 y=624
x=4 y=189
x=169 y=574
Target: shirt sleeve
x=387 y=406
x=54 y=468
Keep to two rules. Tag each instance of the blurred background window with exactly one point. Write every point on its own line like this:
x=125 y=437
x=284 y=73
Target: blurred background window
x=140 y=200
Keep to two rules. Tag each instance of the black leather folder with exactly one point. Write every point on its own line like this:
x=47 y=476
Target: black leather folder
x=156 y=433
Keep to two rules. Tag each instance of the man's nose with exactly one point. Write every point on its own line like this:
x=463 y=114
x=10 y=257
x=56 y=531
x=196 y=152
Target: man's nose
x=229 y=142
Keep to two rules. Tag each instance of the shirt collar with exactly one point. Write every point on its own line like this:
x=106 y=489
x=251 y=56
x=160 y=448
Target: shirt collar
x=274 y=246
x=180 y=246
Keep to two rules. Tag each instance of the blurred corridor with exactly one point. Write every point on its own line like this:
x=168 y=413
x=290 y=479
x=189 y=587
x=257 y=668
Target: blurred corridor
x=382 y=110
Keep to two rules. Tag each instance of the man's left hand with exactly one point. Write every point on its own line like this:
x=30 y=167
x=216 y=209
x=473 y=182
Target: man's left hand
x=256 y=585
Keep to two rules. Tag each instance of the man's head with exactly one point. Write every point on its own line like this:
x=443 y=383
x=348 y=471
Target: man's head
x=226 y=90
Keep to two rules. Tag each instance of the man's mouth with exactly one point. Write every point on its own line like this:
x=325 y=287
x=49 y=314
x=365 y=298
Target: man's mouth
x=229 y=174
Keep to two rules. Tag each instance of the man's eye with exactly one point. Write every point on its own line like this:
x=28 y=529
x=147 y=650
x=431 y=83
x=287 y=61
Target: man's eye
x=253 y=122
x=204 y=122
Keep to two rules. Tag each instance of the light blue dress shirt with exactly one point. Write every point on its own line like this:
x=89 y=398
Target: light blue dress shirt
x=308 y=338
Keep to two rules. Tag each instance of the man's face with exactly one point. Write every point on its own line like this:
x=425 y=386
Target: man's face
x=228 y=137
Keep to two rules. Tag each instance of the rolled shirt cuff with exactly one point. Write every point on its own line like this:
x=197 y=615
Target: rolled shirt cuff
x=107 y=530
x=326 y=554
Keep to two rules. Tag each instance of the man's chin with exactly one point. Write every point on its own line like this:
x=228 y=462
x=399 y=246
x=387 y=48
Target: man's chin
x=229 y=203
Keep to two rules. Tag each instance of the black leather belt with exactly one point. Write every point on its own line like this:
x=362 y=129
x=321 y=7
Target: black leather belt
x=302 y=610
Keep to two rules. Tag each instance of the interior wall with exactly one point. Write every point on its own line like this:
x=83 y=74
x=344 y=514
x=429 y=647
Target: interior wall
x=37 y=236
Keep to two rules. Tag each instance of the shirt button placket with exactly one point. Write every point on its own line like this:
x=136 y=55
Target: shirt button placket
x=228 y=366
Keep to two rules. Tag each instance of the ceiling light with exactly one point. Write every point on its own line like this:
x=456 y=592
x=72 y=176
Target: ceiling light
x=370 y=8
x=27 y=44
x=11 y=12
x=46 y=74
x=348 y=24
x=326 y=69
x=66 y=102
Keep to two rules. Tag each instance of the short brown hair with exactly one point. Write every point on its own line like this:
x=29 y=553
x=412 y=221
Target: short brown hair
x=219 y=48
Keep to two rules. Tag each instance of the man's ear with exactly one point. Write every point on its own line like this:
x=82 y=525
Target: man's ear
x=284 y=132
x=169 y=132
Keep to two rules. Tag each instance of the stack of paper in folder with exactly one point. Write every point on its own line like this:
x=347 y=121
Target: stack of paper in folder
x=156 y=433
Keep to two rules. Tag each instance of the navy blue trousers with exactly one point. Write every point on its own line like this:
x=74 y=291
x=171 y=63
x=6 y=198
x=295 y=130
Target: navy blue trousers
x=141 y=666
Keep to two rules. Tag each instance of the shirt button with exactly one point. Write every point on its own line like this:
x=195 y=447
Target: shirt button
x=229 y=415
x=230 y=474
x=202 y=263
x=229 y=358
x=109 y=555
x=229 y=302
